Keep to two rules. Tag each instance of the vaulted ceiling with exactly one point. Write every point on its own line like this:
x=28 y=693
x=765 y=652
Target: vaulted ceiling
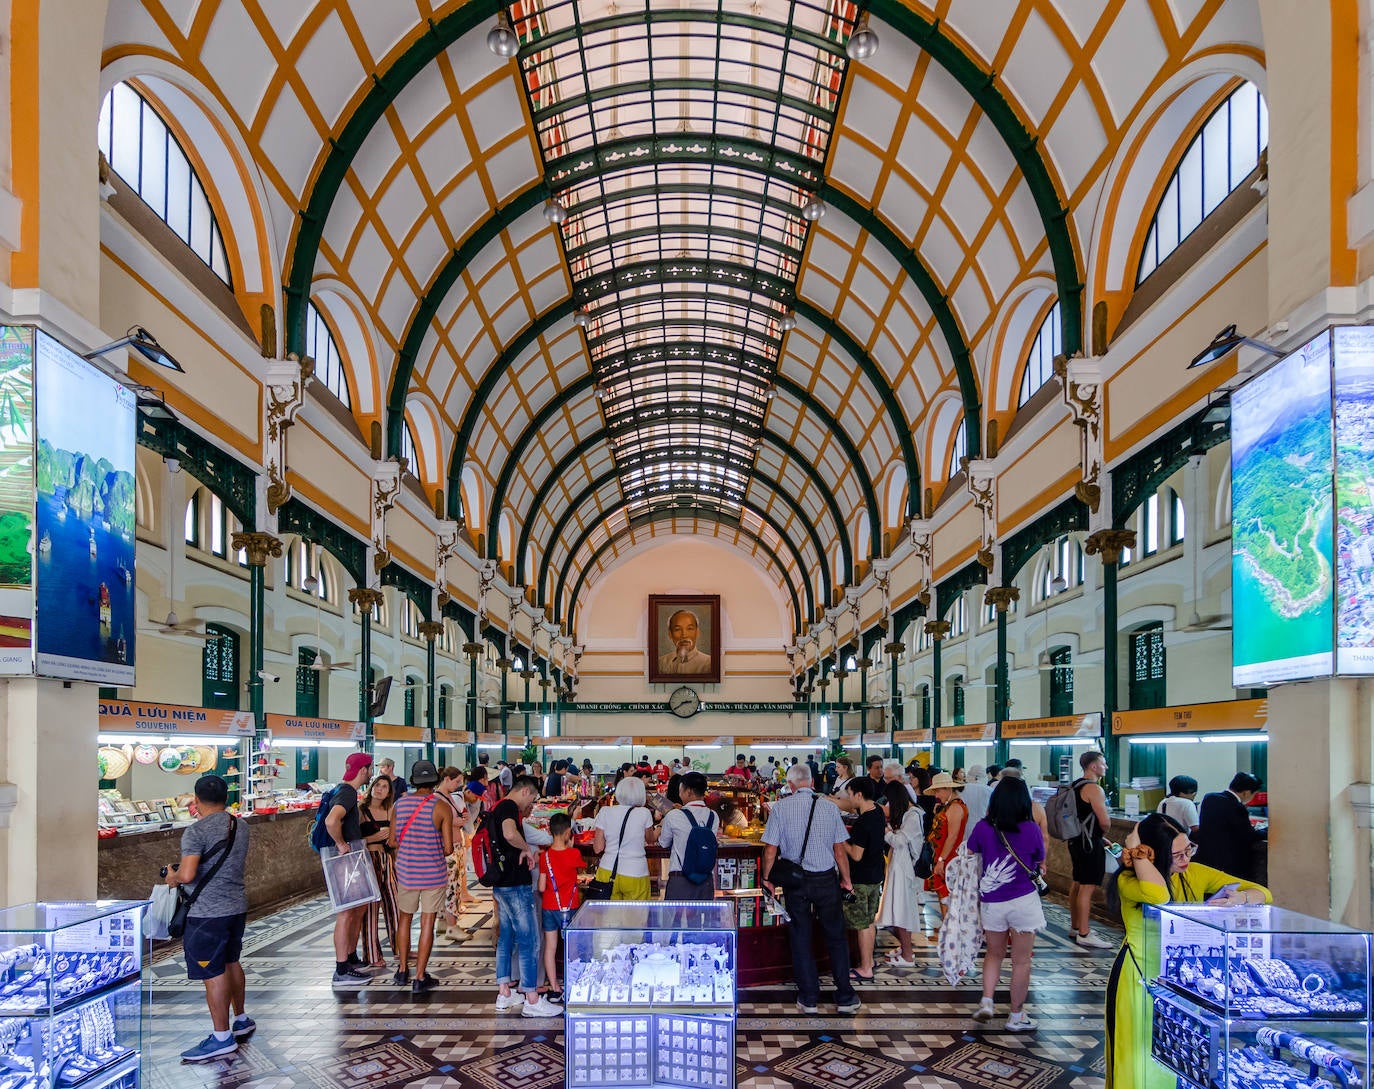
x=679 y=267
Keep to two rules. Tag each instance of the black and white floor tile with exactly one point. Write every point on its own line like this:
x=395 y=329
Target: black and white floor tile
x=914 y=1031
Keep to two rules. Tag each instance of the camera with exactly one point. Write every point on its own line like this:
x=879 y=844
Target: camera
x=266 y=676
x=848 y=895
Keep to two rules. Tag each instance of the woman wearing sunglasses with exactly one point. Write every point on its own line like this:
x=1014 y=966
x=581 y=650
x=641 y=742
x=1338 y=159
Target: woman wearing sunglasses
x=1157 y=867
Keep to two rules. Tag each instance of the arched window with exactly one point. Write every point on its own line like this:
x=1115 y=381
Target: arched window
x=410 y=620
x=1178 y=522
x=1147 y=667
x=329 y=367
x=219 y=669
x=210 y=526
x=142 y=150
x=1061 y=681
x=957 y=617
x=1040 y=359
x=412 y=687
x=303 y=565
x=307 y=683
x=1221 y=156
x=960 y=450
x=956 y=700
x=408 y=451
x=1065 y=568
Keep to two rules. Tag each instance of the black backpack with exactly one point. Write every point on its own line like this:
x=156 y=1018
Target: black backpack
x=699 y=855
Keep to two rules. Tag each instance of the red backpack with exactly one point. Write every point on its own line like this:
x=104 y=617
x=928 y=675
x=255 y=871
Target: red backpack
x=483 y=853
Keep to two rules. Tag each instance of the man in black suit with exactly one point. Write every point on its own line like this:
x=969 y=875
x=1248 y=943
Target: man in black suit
x=1225 y=837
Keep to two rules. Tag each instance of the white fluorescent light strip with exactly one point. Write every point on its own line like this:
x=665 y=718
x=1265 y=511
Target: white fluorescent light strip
x=1163 y=740
x=162 y=739
x=1047 y=742
x=701 y=746
x=968 y=744
x=310 y=743
x=1198 y=739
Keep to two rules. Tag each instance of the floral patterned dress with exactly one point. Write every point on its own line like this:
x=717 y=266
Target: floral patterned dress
x=939 y=830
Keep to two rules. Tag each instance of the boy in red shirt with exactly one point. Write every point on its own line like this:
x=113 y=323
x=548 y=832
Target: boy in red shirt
x=558 y=869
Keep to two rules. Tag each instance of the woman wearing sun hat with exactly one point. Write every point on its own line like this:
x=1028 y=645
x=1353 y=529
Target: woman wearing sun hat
x=946 y=831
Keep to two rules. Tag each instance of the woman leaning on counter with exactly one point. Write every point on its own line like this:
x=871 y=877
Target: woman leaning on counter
x=1156 y=868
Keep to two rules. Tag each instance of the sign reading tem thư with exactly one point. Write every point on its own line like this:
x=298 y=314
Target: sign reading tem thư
x=170 y=719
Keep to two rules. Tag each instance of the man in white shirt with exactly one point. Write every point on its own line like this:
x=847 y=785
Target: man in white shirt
x=976 y=794
x=892 y=773
x=673 y=832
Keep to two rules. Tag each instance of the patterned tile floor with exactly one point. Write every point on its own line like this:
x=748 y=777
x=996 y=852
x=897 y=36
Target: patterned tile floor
x=914 y=1031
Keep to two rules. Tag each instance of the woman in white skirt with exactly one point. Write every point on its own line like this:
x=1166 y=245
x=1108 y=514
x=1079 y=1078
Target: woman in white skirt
x=901 y=907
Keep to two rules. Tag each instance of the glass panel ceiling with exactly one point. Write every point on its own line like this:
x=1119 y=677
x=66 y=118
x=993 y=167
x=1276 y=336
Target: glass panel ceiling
x=682 y=140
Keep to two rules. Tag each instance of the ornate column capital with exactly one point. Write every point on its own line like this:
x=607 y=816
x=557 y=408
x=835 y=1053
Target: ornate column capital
x=430 y=629
x=1001 y=597
x=473 y=650
x=365 y=598
x=864 y=663
x=894 y=649
x=937 y=629
x=1109 y=543
x=259 y=547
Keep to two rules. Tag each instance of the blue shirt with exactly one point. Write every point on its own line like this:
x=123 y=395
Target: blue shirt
x=786 y=830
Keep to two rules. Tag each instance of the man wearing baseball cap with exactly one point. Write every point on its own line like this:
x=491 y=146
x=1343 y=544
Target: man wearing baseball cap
x=343 y=827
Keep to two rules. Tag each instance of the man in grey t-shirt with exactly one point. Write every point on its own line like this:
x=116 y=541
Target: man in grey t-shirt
x=213 y=853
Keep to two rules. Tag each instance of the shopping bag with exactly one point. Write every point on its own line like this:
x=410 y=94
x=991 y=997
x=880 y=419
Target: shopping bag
x=349 y=878
x=962 y=931
x=163 y=903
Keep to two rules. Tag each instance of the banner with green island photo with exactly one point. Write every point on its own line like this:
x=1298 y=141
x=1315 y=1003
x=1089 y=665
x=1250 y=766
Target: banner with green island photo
x=16 y=500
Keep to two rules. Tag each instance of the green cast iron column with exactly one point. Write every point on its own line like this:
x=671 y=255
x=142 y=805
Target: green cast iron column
x=472 y=650
x=260 y=547
x=430 y=630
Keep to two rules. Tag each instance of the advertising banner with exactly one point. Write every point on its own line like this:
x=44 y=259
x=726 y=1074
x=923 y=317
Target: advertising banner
x=1195 y=718
x=1281 y=514
x=136 y=717
x=1353 y=347
x=85 y=621
x=294 y=727
x=385 y=731
x=16 y=501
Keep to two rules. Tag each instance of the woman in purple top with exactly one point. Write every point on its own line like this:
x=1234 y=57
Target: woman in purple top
x=1012 y=849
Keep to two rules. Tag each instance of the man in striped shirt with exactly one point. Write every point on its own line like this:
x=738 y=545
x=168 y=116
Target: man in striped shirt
x=422 y=837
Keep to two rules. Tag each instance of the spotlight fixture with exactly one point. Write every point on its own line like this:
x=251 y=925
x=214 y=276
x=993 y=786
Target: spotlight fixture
x=145 y=344
x=788 y=321
x=863 y=43
x=581 y=318
x=770 y=394
x=1059 y=584
x=600 y=393
x=554 y=211
x=813 y=209
x=501 y=38
x=1225 y=342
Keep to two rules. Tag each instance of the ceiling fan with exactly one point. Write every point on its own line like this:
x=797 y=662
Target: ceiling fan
x=189 y=629
x=1205 y=623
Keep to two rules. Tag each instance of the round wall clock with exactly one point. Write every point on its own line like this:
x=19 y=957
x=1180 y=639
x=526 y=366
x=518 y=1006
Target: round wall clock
x=684 y=702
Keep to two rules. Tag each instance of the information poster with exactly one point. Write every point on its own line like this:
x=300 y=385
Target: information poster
x=85 y=616
x=1354 y=398
x=16 y=500
x=1281 y=511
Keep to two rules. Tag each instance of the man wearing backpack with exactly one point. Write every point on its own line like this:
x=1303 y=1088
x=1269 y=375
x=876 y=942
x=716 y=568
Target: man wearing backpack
x=343 y=825
x=1087 y=848
x=690 y=834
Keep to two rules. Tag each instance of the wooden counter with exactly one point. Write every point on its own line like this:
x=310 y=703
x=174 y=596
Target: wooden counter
x=281 y=865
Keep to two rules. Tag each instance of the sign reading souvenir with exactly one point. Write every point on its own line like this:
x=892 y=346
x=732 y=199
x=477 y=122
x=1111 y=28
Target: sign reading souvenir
x=294 y=727
x=84 y=472
x=1248 y=716
x=914 y=737
x=170 y=719
x=451 y=737
x=1061 y=726
x=977 y=731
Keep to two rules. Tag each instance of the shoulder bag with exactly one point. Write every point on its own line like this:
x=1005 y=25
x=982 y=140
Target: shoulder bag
x=601 y=890
x=1037 y=878
x=176 y=925
x=564 y=913
x=785 y=872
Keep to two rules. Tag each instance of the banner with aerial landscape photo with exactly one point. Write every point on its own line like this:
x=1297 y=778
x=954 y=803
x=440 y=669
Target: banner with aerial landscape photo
x=16 y=500
x=85 y=618
x=1282 y=585
x=1353 y=349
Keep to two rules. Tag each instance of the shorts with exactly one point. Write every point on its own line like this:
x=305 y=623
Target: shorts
x=1025 y=915
x=627 y=888
x=555 y=920
x=212 y=943
x=1089 y=863
x=420 y=901
x=860 y=912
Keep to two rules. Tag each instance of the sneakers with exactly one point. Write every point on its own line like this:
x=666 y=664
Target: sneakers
x=351 y=978
x=423 y=985
x=356 y=963
x=1020 y=1022
x=243 y=1026
x=852 y=1005
x=1092 y=941
x=402 y=978
x=556 y=997
x=209 y=1048
x=807 y=1007
x=542 y=1008
x=507 y=1002
x=983 y=1014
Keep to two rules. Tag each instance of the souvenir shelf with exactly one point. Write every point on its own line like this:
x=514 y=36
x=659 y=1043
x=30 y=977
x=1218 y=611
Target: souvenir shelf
x=650 y=995
x=71 y=998
x=1258 y=997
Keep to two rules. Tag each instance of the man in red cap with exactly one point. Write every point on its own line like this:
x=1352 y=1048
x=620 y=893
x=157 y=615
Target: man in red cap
x=343 y=826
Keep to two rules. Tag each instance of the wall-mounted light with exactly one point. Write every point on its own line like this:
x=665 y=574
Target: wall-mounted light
x=1225 y=342
x=581 y=318
x=813 y=209
x=145 y=344
x=501 y=38
x=554 y=211
x=863 y=43
x=788 y=321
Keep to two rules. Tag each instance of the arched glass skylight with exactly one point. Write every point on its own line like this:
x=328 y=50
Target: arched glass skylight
x=329 y=367
x=1040 y=359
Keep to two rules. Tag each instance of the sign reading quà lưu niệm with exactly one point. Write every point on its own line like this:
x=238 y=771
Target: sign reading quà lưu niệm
x=138 y=717
x=1302 y=513
x=296 y=727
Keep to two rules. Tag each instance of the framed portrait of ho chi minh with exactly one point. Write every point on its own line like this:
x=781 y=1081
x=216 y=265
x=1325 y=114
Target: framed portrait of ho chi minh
x=684 y=638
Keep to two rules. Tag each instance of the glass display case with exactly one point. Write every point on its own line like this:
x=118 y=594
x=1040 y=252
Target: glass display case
x=649 y=991
x=1257 y=996
x=71 y=1001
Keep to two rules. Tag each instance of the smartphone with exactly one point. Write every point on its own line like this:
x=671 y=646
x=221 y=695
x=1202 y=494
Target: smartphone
x=1223 y=892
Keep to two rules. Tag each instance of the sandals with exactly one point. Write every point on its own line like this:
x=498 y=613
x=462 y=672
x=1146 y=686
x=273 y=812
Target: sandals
x=895 y=960
x=860 y=978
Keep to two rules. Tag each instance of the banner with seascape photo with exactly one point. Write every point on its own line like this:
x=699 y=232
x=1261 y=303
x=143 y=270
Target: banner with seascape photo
x=85 y=616
x=16 y=500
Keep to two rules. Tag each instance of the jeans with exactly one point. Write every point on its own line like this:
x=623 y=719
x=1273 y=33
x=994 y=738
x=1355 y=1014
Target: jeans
x=519 y=927
x=818 y=895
